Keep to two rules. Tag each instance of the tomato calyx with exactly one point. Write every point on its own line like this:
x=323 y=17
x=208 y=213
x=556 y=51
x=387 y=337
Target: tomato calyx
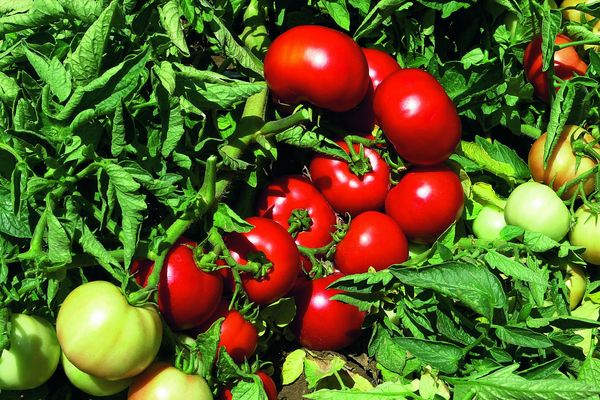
x=360 y=164
x=299 y=221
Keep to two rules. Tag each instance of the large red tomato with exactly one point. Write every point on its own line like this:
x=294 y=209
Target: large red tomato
x=344 y=189
x=322 y=323
x=426 y=201
x=277 y=245
x=187 y=296
x=319 y=65
x=373 y=240
x=362 y=118
x=417 y=116
x=567 y=63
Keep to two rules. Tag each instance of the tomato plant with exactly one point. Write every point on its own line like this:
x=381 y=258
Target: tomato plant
x=373 y=240
x=417 y=116
x=567 y=64
x=33 y=354
x=268 y=385
x=162 y=381
x=575 y=15
x=322 y=323
x=103 y=335
x=187 y=296
x=91 y=384
x=586 y=233
x=563 y=165
x=271 y=240
x=537 y=208
x=425 y=202
x=352 y=187
x=489 y=222
x=319 y=65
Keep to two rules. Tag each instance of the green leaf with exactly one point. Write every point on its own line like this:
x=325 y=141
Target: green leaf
x=84 y=10
x=319 y=369
x=440 y=355
x=379 y=14
x=16 y=225
x=447 y=7
x=387 y=390
x=9 y=89
x=473 y=285
x=512 y=268
x=590 y=372
x=51 y=72
x=551 y=19
x=245 y=390
x=338 y=10
x=42 y=12
x=228 y=220
x=293 y=366
x=522 y=337
x=300 y=137
x=171 y=120
x=59 y=245
x=91 y=245
x=170 y=19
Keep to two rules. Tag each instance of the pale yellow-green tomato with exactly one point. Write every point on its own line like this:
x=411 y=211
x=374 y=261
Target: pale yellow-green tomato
x=91 y=384
x=576 y=283
x=576 y=15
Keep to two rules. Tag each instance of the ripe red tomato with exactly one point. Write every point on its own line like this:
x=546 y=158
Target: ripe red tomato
x=567 y=63
x=268 y=385
x=162 y=381
x=373 y=239
x=362 y=118
x=319 y=65
x=426 y=201
x=562 y=165
x=417 y=116
x=346 y=191
x=322 y=323
x=187 y=296
x=271 y=239
x=296 y=192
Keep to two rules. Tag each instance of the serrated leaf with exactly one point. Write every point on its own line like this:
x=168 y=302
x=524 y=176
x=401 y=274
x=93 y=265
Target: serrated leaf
x=512 y=268
x=229 y=221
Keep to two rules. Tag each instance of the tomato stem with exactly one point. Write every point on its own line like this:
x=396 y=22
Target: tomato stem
x=299 y=221
x=273 y=127
x=576 y=43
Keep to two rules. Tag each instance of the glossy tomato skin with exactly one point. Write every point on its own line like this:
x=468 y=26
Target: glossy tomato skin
x=162 y=381
x=489 y=222
x=346 y=191
x=586 y=233
x=537 y=208
x=293 y=192
x=268 y=385
x=318 y=65
x=417 y=116
x=362 y=118
x=373 y=240
x=33 y=355
x=279 y=248
x=103 y=335
x=562 y=165
x=322 y=323
x=567 y=64
x=187 y=296
x=91 y=384
x=425 y=202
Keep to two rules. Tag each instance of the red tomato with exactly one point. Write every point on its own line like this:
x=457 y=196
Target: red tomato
x=271 y=239
x=417 y=116
x=322 y=323
x=567 y=63
x=268 y=384
x=373 y=239
x=426 y=201
x=319 y=65
x=295 y=192
x=346 y=191
x=362 y=118
x=187 y=296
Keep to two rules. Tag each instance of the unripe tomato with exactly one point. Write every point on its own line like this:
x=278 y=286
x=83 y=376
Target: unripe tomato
x=537 y=208
x=322 y=323
x=362 y=118
x=103 y=335
x=33 y=354
x=187 y=295
x=562 y=165
x=373 y=240
x=91 y=384
x=346 y=191
x=425 y=202
x=162 y=381
x=567 y=64
x=489 y=222
x=319 y=65
x=417 y=116
x=575 y=15
x=586 y=233
x=576 y=282
x=277 y=245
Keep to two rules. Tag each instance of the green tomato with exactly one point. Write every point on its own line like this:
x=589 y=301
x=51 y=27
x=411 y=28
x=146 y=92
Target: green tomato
x=91 y=384
x=586 y=233
x=576 y=282
x=33 y=354
x=162 y=381
x=103 y=335
x=489 y=222
x=537 y=208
